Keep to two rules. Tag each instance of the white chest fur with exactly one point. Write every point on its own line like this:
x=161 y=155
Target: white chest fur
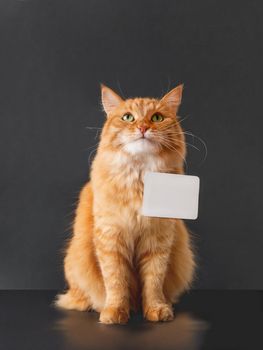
x=131 y=169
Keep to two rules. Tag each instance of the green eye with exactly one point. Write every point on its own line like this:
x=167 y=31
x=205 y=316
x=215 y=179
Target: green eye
x=128 y=118
x=157 y=118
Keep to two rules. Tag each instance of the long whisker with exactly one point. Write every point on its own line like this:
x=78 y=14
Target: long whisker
x=183 y=119
x=170 y=146
x=201 y=140
x=188 y=144
x=92 y=127
x=171 y=138
x=167 y=127
x=97 y=134
x=98 y=130
x=175 y=122
x=188 y=133
x=86 y=149
x=91 y=152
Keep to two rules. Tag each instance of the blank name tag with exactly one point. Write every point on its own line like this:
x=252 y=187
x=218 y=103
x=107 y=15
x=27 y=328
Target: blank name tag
x=170 y=195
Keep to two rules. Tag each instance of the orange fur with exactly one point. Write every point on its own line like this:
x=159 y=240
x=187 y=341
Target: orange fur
x=118 y=260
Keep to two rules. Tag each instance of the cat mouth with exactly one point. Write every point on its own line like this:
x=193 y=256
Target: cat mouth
x=143 y=137
x=141 y=145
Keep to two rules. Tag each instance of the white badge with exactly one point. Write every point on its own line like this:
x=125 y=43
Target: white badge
x=170 y=195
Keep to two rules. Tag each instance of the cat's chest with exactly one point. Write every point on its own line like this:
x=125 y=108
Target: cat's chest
x=126 y=181
x=132 y=176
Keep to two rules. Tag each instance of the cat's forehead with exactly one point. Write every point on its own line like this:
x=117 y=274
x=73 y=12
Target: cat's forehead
x=141 y=106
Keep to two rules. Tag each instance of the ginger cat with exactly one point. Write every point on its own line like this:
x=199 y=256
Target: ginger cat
x=118 y=260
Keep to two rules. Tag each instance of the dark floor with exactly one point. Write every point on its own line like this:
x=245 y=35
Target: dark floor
x=204 y=320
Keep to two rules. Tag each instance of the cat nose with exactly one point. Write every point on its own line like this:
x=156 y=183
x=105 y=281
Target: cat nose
x=143 y=129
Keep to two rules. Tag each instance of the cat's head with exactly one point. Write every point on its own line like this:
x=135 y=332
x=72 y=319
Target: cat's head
x=143 y=125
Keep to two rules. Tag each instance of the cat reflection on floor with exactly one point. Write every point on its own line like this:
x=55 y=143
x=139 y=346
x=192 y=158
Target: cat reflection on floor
x=81 y=330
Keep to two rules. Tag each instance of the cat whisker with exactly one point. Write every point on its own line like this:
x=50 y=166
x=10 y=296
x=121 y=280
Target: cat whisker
x=189 y=133
x=97 y=134
x=92 y=127
x=176 y=122
x=181 y=120
x=91 y=152
x=171 y=147
x=86 y=149
x=167 y=127
x=171 y=138
x=202 y=142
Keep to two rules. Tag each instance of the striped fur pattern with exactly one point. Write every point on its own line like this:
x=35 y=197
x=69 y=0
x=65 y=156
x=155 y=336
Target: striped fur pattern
x=118 y=260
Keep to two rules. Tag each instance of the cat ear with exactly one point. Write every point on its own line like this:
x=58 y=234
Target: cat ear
x=110 y=100
x=173 y=98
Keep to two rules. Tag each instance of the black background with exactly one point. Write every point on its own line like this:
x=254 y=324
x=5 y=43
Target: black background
x=53 y=56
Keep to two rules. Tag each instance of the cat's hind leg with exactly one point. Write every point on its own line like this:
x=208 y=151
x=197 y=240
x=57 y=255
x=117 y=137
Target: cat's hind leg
x=181 y=267
x=73 y=299
x=85 y=284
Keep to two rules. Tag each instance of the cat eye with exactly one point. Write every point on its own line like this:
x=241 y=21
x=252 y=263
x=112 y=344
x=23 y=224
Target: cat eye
x=128 y=118
x=157 y=118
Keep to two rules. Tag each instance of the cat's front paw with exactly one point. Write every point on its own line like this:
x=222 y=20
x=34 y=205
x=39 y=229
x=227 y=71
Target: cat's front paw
x=114 y=315
x=159 y=312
